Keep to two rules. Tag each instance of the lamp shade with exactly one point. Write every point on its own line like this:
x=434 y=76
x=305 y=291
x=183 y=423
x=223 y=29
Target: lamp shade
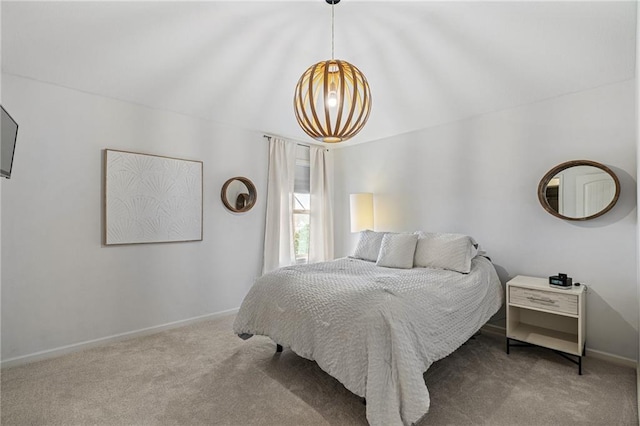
x=361 y=209
x=332 y=101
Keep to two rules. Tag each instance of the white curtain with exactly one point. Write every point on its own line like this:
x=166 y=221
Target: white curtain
x=321 y=219
x=278 y=234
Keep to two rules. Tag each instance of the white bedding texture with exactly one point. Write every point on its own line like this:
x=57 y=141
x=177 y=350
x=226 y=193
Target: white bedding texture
x=375 y=329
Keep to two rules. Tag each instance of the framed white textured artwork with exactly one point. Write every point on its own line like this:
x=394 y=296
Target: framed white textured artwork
x=151 y=199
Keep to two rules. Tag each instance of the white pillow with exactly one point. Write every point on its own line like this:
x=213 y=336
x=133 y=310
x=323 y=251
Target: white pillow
x=397 y=250
x=445 y=251
x=368 y=245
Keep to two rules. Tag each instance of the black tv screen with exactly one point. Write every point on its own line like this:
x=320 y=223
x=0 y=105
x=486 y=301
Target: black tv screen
x=8 y=136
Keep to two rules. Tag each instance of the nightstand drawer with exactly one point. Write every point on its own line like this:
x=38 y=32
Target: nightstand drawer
x=548 y=300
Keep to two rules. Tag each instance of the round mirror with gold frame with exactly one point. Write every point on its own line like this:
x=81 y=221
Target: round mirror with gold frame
x=579 y=190
x=238 y=194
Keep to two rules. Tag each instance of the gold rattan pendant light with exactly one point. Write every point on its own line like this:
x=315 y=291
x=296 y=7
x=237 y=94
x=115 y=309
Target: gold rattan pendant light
x=332 y=98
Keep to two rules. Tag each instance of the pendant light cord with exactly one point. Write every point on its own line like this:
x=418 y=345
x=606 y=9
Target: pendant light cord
x=332 y=31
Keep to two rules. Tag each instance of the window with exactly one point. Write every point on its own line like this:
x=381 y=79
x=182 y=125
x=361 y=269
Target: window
x=301 y=205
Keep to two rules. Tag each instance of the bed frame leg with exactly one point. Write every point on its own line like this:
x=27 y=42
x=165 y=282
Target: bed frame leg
x=278 y=348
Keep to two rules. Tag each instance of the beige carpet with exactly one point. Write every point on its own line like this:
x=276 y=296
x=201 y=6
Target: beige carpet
x=204 y=375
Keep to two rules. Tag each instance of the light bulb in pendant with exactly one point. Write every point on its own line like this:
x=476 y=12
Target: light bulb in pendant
x=332 y=96
x=332 y=99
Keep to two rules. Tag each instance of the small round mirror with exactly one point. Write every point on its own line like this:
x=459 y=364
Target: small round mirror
x=579 y=190
x=238 y=194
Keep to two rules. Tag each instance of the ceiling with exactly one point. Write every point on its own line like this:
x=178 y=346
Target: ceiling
x=237 y=62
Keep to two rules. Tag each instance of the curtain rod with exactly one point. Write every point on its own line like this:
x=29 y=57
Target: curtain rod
x=298 y=143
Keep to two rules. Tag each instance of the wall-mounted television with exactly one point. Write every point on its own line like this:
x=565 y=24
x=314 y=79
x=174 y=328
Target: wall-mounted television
x=8 y=135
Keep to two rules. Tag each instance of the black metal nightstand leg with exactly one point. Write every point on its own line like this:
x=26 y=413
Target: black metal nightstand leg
x=580 y=365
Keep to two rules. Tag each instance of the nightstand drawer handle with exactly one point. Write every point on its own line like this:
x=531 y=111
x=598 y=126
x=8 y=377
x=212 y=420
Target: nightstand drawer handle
x=537 y=299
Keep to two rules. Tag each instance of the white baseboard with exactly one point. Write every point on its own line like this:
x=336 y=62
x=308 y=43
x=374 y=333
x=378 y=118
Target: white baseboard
x=63 y=350
x=493 y=329
x=615 y=359
x=605 y=356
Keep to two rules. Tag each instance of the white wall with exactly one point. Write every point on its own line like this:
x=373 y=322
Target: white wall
x=60 y=285
x=637 y=93
x=480 y=177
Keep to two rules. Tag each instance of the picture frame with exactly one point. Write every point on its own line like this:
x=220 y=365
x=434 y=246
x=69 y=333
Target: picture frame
x=151 y=198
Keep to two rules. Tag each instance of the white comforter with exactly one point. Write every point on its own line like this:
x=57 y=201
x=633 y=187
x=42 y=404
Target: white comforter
x=375 y=329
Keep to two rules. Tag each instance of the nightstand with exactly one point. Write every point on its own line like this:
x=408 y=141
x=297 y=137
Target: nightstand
x=540 y=315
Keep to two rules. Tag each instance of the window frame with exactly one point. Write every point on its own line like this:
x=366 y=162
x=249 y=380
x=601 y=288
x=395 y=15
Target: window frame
x=302 y=159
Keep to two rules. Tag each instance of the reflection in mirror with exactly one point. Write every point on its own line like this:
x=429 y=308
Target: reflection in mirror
x=234 y=190
x=238 y=194
x=242 y=200
x=579 y=190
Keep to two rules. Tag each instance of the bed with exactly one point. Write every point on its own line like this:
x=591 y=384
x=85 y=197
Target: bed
x=375 y=329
